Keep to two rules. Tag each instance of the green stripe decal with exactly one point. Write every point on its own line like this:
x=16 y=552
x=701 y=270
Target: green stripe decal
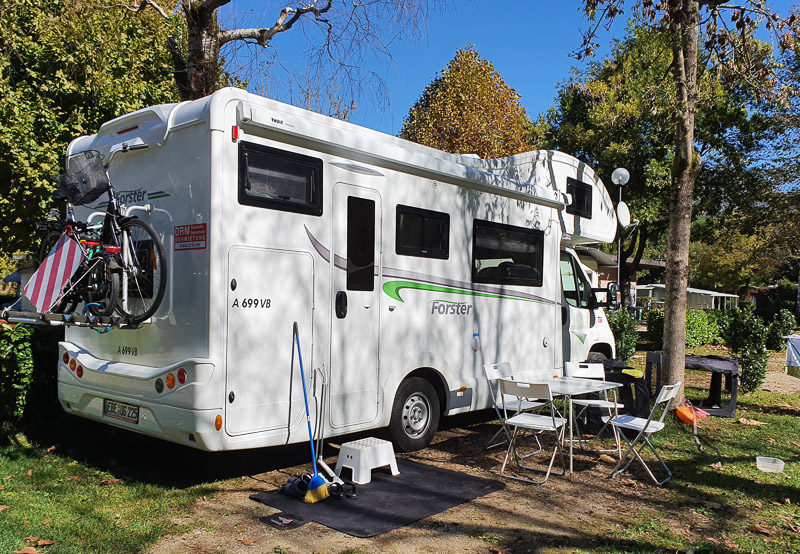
x=393 y=288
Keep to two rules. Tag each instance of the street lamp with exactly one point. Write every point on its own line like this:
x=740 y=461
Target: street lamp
x=620 y=177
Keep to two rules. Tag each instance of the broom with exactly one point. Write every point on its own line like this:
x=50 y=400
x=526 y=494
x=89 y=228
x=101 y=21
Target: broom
x=317 y=486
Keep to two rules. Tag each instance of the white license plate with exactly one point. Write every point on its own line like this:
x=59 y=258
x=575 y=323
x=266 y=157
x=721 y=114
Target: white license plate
x=121 y=411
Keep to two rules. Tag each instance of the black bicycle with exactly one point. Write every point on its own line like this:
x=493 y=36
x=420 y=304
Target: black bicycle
x=124 y=265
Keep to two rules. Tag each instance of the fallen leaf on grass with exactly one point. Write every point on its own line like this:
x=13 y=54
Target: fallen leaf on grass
x=26 y=550
x=628 y=482
x=757 y=528
x=775 y=503
x=7 y=477
x=45 y=542
x=107 y=482
x=2 y=487
x=731 y=544
x=608 y=459
x=758 y=504
x=46 y=522
x=716 y=465
x=246 y=542
x=788 y=500
x=31 y=539
x=745 y=421
x=670 y=444
x=4 y=508
x=51 y=448
x=30 y=472
x=770 y=440
x=73 y=477
x=797 y=444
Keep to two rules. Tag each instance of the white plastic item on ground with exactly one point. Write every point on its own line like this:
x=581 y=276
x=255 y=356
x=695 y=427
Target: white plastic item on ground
x=793 y=351
x=362 y=456
x=769 y=465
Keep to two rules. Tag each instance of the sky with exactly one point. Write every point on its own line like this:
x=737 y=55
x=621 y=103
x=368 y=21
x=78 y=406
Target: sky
x=530 y=43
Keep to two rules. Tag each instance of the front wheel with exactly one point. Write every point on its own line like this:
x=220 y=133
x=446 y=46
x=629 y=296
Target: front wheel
x=144 y=271
x=415 y=414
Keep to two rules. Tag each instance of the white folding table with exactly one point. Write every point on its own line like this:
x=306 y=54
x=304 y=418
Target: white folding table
x=572 y=386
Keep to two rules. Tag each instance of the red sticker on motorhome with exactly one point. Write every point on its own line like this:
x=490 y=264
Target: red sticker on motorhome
x=191 y=237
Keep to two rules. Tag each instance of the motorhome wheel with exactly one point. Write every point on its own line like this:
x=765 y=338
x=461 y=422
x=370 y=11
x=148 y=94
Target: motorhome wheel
x=415 y=414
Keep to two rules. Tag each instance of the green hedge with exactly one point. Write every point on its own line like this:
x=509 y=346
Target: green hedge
x=28 y=380
x=781 y=325
x=702 y=327
x=623 y=325
x=746 y=337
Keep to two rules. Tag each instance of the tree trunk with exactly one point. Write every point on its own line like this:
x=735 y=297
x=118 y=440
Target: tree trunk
x=202 y=61
x=684 y=23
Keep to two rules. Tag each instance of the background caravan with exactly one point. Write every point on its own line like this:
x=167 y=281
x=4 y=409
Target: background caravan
x=405 y=268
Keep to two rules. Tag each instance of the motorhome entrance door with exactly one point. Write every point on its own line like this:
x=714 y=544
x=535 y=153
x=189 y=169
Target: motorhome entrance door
x=355 y=309
x=577 y=318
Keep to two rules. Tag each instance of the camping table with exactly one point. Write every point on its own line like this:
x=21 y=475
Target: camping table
x=572 y=386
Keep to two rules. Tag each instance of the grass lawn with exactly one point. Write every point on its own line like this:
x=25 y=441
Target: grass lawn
x=101 y=490
x=47 y=496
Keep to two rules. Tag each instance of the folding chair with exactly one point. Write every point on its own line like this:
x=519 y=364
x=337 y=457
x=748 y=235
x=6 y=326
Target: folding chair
x=645 y=429
x=586 y=370
x=538 y=423
x=495 y=372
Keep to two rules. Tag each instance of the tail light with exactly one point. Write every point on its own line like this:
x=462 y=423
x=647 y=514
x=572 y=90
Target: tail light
x=181 y=376
x=65 y=358
x=218 y=422
x=170 y=381
x=72 y=364
x=79 y=371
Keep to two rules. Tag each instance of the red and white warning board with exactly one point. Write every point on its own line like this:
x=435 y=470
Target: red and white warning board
x=191 y=237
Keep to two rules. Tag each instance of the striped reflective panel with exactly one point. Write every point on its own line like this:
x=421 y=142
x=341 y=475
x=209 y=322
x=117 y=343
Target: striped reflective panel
x=60 y=265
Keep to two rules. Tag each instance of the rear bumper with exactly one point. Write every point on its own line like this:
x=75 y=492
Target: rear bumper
x=193 y=428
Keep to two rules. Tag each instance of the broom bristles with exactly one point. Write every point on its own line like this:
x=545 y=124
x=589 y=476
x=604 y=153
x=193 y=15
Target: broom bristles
x=317 y=490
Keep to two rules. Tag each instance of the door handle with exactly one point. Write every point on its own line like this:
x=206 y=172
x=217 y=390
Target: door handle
x=341 y=304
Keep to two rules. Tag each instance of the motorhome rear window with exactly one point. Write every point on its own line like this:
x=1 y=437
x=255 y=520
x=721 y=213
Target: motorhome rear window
x=581 y=198
x=506 y=255
x=422 y=233
x=280 y=180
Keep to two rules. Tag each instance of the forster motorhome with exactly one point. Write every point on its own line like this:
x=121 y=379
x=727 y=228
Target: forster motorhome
x=405 y=268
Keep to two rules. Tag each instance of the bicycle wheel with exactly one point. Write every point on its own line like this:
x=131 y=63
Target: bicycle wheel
x=67 y=303
x=102 y=290
x=144 y=271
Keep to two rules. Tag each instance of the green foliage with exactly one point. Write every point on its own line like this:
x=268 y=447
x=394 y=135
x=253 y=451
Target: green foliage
x=623 y=325
x=16 y=371
x=783 y=296
x=28 y=360
x=702 y=327
x=783 y=324
x=469 y=109
x=65 y=68
x=746 y=337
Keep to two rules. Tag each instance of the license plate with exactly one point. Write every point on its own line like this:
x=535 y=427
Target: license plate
x=121 y=411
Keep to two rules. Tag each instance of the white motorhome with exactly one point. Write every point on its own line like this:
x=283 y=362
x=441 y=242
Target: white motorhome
x=405 y=268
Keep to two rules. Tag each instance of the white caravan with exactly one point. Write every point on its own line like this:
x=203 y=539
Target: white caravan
x=405 y=268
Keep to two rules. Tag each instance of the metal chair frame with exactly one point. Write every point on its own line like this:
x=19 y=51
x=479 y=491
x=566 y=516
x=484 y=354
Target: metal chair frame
x=494 y=373
x=663 y=402
x=588 y=370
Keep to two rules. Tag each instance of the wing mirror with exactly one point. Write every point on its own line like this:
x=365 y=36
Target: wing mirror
x=613 y=297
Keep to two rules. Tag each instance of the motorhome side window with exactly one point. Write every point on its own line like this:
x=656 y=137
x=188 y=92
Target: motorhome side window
x=272 y=178
x=422 y=233
x=506 y=255
x=581 y=198
x=360 y=243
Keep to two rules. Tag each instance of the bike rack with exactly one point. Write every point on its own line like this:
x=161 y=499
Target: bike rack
x=92 y=321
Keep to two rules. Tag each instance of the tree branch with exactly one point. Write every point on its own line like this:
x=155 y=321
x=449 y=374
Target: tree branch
x=264 y=34
x=142 y=6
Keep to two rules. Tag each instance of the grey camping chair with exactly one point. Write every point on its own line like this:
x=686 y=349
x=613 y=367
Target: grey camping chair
x=538 y=423
x=645 y=428
x=494 y=373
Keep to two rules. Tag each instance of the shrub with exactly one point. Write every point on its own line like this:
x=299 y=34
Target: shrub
x=655 y=327
x=16 y=371
x=28 y=360
x=783 y=324
x=746 y=338
x=623 y=325
x=702 y=327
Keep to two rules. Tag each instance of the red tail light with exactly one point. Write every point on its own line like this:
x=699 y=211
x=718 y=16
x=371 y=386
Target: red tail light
x=79 y=371
x=181 y=376
x=65 y=358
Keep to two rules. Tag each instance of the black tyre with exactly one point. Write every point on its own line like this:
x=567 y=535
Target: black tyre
x=47 y=244
x=415 y=414
x=598 y=357
x=102 y=290
x=144 y=272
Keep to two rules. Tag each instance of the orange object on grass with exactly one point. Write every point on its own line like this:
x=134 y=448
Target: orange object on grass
x=687 y=414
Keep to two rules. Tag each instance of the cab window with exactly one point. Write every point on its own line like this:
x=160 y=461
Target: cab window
x=577 y=289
